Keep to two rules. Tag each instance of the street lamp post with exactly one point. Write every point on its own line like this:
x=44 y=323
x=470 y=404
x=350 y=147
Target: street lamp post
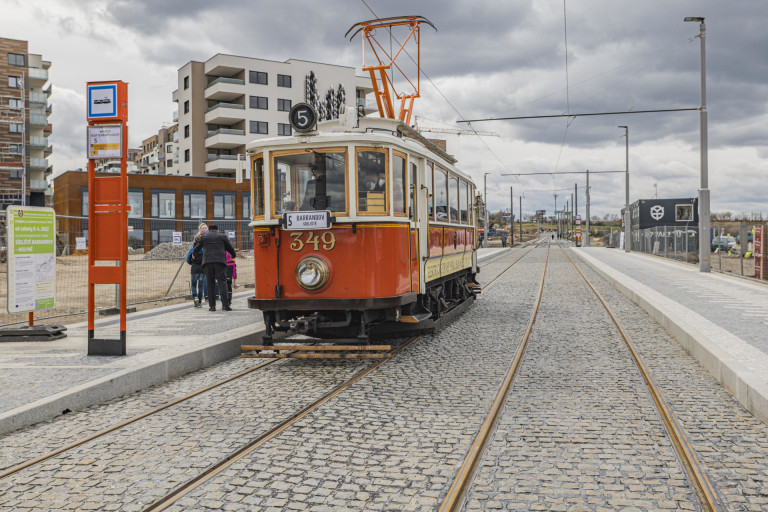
x=627 y=215
x=704 y=249
x=485 y=204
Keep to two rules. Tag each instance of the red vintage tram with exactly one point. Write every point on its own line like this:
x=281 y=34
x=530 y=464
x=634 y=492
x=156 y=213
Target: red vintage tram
x=362 y=228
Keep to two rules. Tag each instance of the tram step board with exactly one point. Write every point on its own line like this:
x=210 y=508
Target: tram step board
x=330 y=348
x=316 y=355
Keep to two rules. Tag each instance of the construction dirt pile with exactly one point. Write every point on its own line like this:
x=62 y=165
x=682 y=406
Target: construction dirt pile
x=168 y=251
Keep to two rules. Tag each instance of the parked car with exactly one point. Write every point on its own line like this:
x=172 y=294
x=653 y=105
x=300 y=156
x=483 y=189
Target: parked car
x=724 y=243
x=750 y=236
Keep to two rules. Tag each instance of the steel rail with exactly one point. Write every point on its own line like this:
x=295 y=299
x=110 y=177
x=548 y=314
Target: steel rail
x=457 y=492
x=697 y=474
x=492 y=281
x=251 y=446
x=15 y=469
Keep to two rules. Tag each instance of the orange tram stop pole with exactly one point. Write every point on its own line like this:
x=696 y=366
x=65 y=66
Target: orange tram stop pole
x=107 y=104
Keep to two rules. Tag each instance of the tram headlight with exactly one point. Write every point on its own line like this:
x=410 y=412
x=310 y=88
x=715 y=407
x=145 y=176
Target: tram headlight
x=312 y=273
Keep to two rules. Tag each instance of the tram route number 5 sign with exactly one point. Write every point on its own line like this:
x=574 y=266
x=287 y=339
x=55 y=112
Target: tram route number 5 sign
x=31 y=235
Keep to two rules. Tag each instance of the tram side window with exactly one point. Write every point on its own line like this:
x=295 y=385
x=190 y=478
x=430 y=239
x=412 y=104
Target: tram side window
x=441 y=195
x=430 y=188
x=471 y=204
x=310 y=180
x=463 y=201
x=411 y=189
x=453 y=198
x=399 y=183
x=257 y=187
x=371 y=181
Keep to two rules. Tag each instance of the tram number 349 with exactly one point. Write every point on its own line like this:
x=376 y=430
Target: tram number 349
x=327 y=239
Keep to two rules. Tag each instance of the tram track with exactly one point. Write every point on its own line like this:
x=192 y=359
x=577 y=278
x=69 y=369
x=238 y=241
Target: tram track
x=30 y=463
x=699 y=481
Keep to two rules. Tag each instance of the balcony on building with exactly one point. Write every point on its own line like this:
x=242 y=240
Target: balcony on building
x=221 y=164
x=38 y=163
x=38 y=120
x=175 y=116
x=38 y=97
x=224 y=138
x=225 y=89
x=225 y=113
x=38 y=185
x=38 y=142
x=37 y=76
x=48 y=150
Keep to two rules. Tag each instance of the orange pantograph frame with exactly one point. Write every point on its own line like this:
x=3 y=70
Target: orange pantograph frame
x=383 y=87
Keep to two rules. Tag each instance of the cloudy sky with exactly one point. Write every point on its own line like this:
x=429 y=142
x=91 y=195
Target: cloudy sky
x=487 y=59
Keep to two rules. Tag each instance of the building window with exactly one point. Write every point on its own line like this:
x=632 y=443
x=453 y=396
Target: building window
x=186 y=131
x=136 y=202
x=16 y=174
x=246 y=205
x=14 y=82
x=169 y=163
x=259 y=127
x=186 y=107
x=258 y=102
x=194 y=204
x=84 y=201
x=186 y=82
x=15 y=127
x=284 y=105
x=168 y=148
x=14 y=103
x=283 y=129
x=14 y=59
x=257 y=77
x=283 y=80
x=223 y=205
x=186 y=155
x=14 y=149
x=163 y=204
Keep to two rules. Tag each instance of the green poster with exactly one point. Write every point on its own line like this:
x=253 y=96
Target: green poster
x=31 y=258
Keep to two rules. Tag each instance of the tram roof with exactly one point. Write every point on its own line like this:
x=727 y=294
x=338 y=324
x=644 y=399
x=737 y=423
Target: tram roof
x=365 y=130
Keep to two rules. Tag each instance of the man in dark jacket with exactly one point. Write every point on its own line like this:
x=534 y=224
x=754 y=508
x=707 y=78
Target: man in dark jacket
x=216 y=246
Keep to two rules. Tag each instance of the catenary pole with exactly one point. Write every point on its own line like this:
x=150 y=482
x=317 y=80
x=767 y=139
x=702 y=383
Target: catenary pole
x=627 y=214
x=586 y=213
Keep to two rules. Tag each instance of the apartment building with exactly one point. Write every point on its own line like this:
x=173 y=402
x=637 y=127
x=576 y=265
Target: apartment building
x=24 y=126
x=228 y=101
x=159 y=153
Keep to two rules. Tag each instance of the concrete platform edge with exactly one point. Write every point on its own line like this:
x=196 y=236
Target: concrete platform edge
x=129 y=380
x=744 y=385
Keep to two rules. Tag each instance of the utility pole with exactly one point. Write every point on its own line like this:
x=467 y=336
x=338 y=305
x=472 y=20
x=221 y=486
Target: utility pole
x=485 y=207
x=520 y=220
x=572 y=217
x=586 y=239
x=23 y=141
x=557 y=218
x=511 y=218
x=627 y=213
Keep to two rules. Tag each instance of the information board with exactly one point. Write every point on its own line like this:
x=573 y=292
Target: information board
x=31 y=239
x=105 y=141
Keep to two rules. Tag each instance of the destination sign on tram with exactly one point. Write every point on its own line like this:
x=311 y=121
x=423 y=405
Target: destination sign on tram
x=307 y=220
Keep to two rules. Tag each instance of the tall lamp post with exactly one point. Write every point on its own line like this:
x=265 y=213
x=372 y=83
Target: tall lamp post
x=627 y=214
x=485 y=204
x=704 y=263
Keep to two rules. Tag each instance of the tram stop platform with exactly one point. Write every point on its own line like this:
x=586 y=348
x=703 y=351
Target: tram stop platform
x=43 y=379
x=721 y=320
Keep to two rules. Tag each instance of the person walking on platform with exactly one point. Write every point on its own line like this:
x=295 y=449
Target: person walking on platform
x=214 y=246
x=504 y=240
x=197 y=274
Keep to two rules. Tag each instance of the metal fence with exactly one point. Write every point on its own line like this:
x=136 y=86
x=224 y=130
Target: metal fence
x=156 y=276
x=731 y=245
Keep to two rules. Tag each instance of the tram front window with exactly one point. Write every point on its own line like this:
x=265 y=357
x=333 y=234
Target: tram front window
x=310 y=180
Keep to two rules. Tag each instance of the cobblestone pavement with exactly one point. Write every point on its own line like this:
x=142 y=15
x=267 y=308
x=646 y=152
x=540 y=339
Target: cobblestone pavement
x=134 y=466
x=731 y=442
x=393 y=440
x=578 y=431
